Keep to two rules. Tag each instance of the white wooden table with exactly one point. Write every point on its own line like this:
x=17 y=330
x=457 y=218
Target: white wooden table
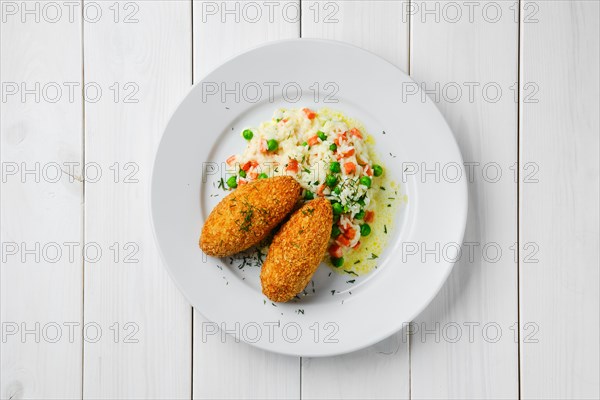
x=88 y=310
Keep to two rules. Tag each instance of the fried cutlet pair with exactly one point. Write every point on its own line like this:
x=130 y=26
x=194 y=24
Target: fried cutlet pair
x=246 y=216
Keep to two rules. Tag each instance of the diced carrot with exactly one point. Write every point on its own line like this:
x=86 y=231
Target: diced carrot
x=310 y=114
x=292 y=165
x=335 y=251
x=246 y=166
x=369 y=216
x=254 y=163
x=368 y=170
x=313 y=140
x=284 y=120
x=253 y=175
x=357 y=245
x=350 y=167
x=343 y=240
x=356 y=132
x=348 y=153
x=263 y=146
x=230 y=160
x=320 y=190
x=350 y=233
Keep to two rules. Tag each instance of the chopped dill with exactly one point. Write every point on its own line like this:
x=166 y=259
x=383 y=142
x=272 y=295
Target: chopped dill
x=248 y=213
x=308 y=211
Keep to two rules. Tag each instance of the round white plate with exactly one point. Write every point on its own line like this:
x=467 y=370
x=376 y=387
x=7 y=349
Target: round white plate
x=333 y=316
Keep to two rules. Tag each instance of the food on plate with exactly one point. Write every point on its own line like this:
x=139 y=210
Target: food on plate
x=332 y=157
x=297 y=250
x=248 y=214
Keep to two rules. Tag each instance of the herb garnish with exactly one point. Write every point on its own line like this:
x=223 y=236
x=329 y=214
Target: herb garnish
x=248 y=213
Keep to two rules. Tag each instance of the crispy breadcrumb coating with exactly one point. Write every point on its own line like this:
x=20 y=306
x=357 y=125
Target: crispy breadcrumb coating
x=248 y=214
x=297 y=250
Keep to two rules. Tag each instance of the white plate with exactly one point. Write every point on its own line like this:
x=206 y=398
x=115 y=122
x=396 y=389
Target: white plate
x=205 y=130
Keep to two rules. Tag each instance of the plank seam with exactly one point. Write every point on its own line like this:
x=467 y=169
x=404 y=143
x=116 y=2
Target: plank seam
x=518 y=199
x=83 y=159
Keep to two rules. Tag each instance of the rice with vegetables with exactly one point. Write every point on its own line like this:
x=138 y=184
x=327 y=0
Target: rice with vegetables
x=331 y=156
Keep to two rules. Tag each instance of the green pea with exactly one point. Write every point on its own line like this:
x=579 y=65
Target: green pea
x=335 y=231
x=365 y=230
x=360 y=214
x=365 y=180
x=308 y=195
x=304 y=144
x=337 y=190
x=232 y=182
x=337 y=262
x=242 y=173
x=331 y=181
x=263 y=176
x=335 y=167
x=337 y=208
x=247 y=134
x=322 y=135
x=272 y=145
x=333 y=147
x=377 y=170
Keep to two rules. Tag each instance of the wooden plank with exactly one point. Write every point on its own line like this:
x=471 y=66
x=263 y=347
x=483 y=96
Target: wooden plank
x=559 y=200
x=463 y=345
x=379 y=26
x=41 y=132
x=380 y=371
x=224 y=368
x=143 y=49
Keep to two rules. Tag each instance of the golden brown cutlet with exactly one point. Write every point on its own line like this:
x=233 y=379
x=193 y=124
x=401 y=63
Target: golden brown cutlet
x=297 y=250
x=247 y=215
